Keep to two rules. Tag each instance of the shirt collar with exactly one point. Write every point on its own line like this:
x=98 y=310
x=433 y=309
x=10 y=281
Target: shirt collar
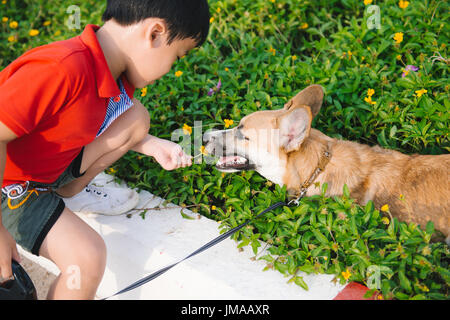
x=106 y=84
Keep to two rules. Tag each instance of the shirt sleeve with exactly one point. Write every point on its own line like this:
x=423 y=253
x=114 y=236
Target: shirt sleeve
x=32 y=93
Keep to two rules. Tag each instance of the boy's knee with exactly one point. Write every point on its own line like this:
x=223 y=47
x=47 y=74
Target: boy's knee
x=141 y=123
x=92 y=259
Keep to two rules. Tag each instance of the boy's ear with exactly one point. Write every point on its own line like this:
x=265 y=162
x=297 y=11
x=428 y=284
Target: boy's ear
x=294 y=126
x=156 y=32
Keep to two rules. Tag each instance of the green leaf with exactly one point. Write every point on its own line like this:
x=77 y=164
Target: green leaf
x=319 y=236
x=301 y=210
x=300 y=282
x=346 y=191
x=430 y=227
x=404 y=282
x=185 y=216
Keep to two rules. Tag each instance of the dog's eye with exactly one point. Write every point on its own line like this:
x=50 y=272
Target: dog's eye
x=239 y=134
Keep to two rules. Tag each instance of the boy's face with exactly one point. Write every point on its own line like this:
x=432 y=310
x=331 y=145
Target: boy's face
x=149 y=55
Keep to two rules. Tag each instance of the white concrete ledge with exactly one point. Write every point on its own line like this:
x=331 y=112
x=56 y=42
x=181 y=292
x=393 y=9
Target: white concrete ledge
x=138 y=247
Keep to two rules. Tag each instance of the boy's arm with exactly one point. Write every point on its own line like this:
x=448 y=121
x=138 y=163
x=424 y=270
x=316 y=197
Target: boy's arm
x=8 y=248
x=167 y=153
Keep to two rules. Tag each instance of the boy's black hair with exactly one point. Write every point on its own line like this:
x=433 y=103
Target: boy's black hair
x=184 y=18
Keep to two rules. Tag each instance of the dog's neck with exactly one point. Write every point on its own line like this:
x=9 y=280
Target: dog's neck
x=302 y=163
x=343 y=168
x=351 y=164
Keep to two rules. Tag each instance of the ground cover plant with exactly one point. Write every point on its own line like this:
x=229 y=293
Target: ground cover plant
x=386 y=83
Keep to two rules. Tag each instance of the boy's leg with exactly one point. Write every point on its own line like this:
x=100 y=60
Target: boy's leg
x=80 y=254
x=77 y=249
x=123 y=134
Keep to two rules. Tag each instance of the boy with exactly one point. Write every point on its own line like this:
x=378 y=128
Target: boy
x=67 y=113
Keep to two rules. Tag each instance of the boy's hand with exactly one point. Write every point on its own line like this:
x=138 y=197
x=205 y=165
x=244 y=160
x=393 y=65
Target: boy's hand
x=170 y=155
x=8 y=251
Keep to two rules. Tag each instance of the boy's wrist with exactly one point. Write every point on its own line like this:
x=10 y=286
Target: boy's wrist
x=146 y=146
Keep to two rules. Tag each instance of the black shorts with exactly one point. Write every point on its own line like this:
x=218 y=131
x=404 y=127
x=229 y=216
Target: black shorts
x=30 y=223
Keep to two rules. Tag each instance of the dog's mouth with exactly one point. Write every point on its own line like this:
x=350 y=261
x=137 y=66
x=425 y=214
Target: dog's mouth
x=233 y=163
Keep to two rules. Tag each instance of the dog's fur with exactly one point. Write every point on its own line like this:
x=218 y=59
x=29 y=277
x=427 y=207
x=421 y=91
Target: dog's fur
x=415 y=187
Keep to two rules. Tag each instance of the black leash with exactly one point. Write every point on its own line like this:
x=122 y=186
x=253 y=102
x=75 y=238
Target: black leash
x=320 y=168
x=201 y=249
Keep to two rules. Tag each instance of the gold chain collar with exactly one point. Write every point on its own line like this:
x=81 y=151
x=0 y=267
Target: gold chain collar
x=324 y=160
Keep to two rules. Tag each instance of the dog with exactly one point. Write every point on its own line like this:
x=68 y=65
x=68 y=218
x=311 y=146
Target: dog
x=282 y=147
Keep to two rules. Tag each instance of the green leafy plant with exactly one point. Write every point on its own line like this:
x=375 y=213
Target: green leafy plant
x=263 y=53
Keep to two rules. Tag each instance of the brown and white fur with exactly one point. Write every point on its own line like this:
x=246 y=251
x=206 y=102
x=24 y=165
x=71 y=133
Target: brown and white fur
x=282 y=147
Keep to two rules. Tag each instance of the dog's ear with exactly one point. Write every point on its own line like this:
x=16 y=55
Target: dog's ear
x=311 y=96
x=294 y=126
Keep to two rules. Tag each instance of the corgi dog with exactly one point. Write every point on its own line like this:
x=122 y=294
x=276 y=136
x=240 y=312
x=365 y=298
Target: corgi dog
x=282 y=147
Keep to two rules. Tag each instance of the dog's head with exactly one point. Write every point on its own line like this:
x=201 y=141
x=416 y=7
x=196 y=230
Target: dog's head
x=263 y=140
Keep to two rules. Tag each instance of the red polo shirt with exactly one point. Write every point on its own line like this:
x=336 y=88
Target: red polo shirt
x=54 y=98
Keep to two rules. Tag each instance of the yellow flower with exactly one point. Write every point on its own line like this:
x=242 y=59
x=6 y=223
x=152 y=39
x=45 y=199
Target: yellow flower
x=5 y=19
x=349 y=55
x=226 y=69
x=211 y=20
x=187 y=129
x=33 y=32
x=57 y=33
x=272 y=50
x=11 y=38
x=178 y=73
x=403 y=4
x=304 y=25
x=369 y=100
x=426 y=251
x=228 y=123
x=203 y=151
x=47 y=23
x=423 y=288
x=13 y=24
x=346 y=274
x=213 y=208
x=385 y=220
x=420 y=92
x=218 y=10
x=370 y=92
x=112 y=170
x=294 y=57
x=385 y=208
x=266 y=76
x=3 y=1
x=398 y=37
x=399 y=57
x=366 y=2
x=144 y=92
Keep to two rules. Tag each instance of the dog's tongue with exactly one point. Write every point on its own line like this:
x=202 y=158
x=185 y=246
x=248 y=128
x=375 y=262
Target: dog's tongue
x=231 y=162
x=227 y=159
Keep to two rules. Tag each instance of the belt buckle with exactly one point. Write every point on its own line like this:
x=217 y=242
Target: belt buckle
x=15 y=191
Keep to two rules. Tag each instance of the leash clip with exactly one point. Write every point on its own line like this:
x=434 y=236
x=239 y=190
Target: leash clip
x=297 y=201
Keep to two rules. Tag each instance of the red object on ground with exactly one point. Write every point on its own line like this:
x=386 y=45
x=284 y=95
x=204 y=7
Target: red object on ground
x=353 y=291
